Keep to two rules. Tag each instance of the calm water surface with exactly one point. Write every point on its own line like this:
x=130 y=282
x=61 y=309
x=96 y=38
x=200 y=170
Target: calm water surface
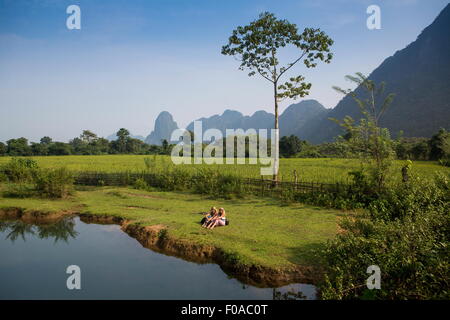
x=34 y=258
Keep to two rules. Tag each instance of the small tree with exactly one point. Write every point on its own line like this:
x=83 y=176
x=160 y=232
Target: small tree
x=440 y=145
x=366 y=138
x=257 y=44
x=290 y=146
x=165 y=146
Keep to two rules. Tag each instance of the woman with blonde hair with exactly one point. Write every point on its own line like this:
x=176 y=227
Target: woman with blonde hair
x=220 y=219
x=208 y=219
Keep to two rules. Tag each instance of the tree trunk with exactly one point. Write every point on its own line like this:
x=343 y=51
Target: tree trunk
x=277 y=138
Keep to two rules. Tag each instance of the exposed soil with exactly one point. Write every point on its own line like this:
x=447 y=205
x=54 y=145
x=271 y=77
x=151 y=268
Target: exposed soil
x=156 y=238
x=33 y=216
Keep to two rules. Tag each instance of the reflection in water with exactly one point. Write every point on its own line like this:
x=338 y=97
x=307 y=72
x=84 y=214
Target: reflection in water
x=61 y=230
x=115 y=266
x=290 y=294
x=284 y=293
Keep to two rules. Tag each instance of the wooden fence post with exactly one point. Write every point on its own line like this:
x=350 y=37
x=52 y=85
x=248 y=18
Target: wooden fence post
x=295 y=180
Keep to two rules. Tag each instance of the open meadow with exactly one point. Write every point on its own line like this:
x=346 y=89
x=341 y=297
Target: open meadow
x=322 y=170
x=281 y=236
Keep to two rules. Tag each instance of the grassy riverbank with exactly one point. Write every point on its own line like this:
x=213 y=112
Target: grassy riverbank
x=261 y=232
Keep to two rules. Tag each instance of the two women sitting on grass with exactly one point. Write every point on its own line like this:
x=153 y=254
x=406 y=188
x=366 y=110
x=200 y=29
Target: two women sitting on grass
x=215 y=218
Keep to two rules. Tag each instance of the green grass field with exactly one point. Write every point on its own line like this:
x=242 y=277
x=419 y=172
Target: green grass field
x=325 y=170
x=261 y=232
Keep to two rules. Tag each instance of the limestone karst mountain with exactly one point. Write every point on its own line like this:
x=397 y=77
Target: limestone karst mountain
x=164 y=126
x=419 y=76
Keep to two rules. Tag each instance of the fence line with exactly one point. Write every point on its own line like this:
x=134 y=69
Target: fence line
x=262 y=186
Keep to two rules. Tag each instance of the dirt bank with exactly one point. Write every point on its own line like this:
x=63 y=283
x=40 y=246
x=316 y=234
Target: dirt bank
x=35 y=217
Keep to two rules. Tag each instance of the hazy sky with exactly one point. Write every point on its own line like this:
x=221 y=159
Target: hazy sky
x=133 y=59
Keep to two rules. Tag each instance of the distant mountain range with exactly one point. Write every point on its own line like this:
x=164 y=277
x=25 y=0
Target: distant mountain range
x=292 y=120
x=419 y=75
x=232 y=119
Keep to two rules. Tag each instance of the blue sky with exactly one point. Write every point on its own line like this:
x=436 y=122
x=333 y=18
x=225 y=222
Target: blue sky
x=133 y=59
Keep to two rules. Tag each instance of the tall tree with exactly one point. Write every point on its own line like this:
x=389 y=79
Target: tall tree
x=88 y=136
x=165 y=145
x=122 y=134
x=46 y=140
x=2 y=149
x=59 y=149
x=257 y=47
x=122 y=137
x=18 y=147
x=39 y=149
x=78 y=146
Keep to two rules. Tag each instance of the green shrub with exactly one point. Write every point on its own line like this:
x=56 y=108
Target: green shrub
x=407 y=234
x=18 y=170
x=141 y=184
x=411 y=198
x=18 y=190
x=174 y=179
x=229 y=185
x=288 y=195
x=210 y=182
x=412 y=255
x=54 y=183
x=445 y=162
x=204 y=181
x=162 y=234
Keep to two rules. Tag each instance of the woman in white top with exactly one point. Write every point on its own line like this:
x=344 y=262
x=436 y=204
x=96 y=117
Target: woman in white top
x=220 y=220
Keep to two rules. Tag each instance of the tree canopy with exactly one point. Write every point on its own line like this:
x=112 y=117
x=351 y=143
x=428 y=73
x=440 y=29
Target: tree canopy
x=256 y=46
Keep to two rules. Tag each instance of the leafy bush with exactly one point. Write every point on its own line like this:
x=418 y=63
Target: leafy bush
x=18 y=190
x=340 y=200
x=445 y=162
x=222 y=185
x=204 y=181
x=412 y=198
x=18 y=170
x=54 y=183
x=227 y=185
x=140 y=184
x=407 y=234
x=359 y=194
x=412 y=255
x=174 y=179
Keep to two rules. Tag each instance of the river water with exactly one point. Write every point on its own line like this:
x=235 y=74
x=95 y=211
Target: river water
x=34 y=260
